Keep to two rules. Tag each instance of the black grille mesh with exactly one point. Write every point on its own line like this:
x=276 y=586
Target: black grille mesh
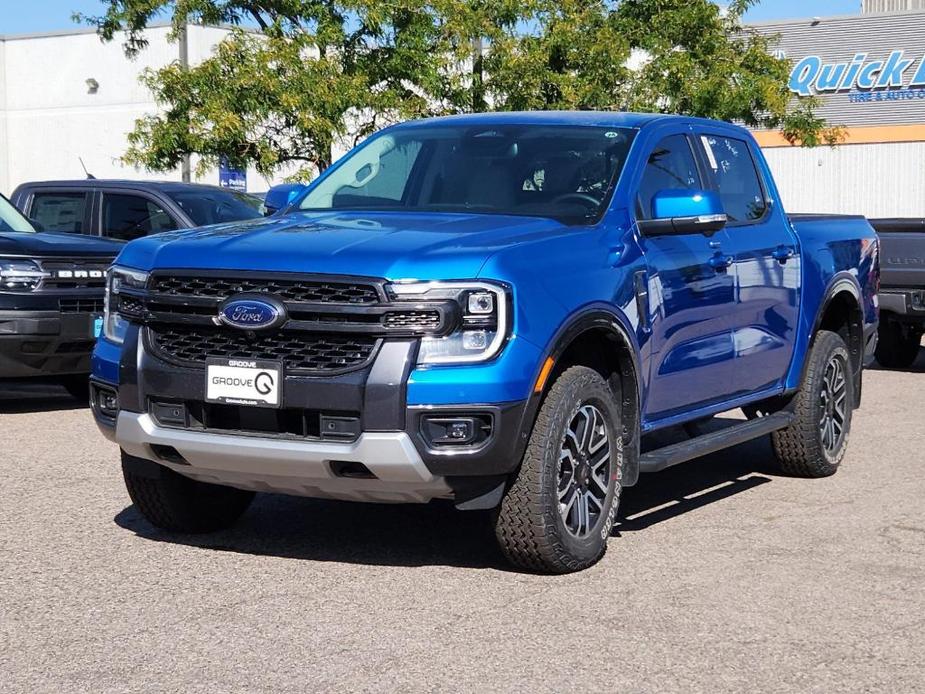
x=412 y=319
x=81 y=305
x=311 y=291
x=299 y=352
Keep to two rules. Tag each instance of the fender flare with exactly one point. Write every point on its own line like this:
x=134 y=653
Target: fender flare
x=601 y=316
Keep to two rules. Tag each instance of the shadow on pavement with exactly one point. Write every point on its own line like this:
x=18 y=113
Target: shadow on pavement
x=36 y=396
x=437 y=534
x=917 y=367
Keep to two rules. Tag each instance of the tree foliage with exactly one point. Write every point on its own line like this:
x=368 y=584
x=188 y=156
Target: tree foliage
x=294 y=77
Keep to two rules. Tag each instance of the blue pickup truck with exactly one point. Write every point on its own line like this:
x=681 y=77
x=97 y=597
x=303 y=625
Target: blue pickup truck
x=498 y=310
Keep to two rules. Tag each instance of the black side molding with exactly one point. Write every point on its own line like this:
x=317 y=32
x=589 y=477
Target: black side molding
x=662 y=458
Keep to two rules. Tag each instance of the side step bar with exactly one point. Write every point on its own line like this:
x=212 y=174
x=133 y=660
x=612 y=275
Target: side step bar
x=662 y=458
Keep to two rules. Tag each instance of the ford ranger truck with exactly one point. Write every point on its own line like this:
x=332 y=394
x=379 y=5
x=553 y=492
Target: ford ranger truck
x=51 y=301
x=902 y=291
x=498 y=310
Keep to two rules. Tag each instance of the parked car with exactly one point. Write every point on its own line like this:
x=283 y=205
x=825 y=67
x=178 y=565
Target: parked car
x=280 y=196
x=51 y=301
x=497 y=310
x=126 y=210
x=902 y=290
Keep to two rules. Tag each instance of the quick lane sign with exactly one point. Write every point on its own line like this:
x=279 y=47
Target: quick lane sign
x=813 y=76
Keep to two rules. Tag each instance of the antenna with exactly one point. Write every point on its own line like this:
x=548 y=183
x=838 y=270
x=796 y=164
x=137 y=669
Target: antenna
x=90 y=176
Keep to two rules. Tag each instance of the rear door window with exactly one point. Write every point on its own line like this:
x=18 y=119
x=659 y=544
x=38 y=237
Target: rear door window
x=126 y=217
x=62 y=212
x=736 y=178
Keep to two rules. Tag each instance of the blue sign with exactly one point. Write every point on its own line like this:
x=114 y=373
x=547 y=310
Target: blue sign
x=230 y=177
x=811 y=76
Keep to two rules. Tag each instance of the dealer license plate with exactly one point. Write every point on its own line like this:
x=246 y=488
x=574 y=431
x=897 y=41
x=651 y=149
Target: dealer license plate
x=244 y=382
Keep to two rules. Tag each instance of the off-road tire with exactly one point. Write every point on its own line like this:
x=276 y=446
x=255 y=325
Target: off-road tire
x=176 y=503
x=528 y=526
x=897 y=348
x=799 y=447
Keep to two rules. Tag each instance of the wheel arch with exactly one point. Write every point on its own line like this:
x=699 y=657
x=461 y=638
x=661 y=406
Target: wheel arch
x=600 y=338
x=841 y=311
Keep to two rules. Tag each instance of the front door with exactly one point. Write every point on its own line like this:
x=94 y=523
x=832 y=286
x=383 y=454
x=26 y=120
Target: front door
x=691 y=293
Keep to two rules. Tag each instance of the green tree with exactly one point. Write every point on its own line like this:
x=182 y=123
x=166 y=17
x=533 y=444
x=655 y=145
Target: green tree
x=296 y=76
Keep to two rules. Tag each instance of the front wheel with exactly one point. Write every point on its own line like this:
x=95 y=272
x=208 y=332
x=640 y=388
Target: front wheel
x=559 y=510
x=815 y=443
x=173 y=502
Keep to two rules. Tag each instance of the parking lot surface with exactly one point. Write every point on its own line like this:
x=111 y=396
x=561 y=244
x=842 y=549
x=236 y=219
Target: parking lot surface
x=723 y=575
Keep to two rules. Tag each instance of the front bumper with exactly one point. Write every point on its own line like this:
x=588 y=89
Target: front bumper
x=45 y=343
x=303 y=468
x=390 y=439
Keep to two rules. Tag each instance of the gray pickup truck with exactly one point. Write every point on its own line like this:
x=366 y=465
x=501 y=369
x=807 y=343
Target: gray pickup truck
x=902 y=290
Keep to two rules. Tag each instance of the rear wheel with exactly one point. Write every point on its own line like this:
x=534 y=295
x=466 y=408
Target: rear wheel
x=815 y=443
x=559 y=510
x=897 y=344
x=174 y=502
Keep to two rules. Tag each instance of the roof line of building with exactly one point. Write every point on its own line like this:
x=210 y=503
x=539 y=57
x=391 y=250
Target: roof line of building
x=826 y=18
x=79 y=31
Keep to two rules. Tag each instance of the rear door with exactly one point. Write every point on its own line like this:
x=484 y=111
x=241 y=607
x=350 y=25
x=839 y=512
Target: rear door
x=125 y=215
x=767 y=262
x=692 y=295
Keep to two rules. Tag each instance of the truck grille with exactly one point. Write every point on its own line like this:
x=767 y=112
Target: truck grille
x=81 y=305
x=297 y=290
x=299 y=352
x=75 y=273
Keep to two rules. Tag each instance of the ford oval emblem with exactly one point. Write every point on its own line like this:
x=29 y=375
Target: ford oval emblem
x=249 y=312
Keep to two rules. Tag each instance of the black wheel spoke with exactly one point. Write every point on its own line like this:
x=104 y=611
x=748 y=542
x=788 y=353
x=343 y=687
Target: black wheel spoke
x=832 y=404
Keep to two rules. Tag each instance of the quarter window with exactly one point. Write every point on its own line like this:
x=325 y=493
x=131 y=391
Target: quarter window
x=671 y=166
x=736 y=178
x=60 y=211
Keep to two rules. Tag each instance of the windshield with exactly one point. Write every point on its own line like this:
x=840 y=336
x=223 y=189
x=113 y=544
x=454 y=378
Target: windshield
x=564 y=172
x=11 y=219
x=216 y=206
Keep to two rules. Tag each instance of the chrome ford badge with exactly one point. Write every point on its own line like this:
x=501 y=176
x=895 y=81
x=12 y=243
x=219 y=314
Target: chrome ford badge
x=249 y=312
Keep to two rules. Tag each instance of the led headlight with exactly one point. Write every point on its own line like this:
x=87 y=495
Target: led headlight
x=20 y=275
x=483 y=328
x=114 y=325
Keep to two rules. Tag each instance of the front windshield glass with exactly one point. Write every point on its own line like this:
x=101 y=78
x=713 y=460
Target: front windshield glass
x=563 y=172
x=216 y=206
x=11 y=219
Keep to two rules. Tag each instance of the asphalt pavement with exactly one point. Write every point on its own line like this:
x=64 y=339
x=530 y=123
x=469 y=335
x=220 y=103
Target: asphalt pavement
x=722 y=576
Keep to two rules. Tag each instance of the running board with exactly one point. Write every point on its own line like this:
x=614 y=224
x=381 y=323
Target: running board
x=662 y=458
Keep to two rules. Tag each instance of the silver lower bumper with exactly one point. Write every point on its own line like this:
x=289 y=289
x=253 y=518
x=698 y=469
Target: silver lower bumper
x=302 y=468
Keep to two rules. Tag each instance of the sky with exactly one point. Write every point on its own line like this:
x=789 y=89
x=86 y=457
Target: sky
x=31 y=16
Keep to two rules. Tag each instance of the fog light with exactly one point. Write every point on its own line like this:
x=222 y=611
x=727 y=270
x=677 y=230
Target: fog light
x=449 y=431
x=105 y=400
x=475 y=340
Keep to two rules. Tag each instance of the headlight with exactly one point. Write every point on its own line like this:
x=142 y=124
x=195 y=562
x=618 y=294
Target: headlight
x=20 y=275
x=484 y=326
x=114 y=325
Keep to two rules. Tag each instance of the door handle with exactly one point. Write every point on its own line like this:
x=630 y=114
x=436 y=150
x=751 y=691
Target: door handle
x=783 y=253
x=720 y=262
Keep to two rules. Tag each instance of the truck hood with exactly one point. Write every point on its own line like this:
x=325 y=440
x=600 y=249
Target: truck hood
x=392 y=245
x=46 y=244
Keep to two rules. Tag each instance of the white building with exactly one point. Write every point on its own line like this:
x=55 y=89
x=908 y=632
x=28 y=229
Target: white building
x=67 y=96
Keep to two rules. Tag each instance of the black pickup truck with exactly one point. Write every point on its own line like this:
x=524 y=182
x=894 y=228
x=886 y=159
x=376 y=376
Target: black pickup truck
x=902 y=290
x=51 y=300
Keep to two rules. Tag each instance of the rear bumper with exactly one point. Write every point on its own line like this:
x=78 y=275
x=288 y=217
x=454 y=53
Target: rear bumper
x=304 y=468
x=907 y=303
x=45 y=343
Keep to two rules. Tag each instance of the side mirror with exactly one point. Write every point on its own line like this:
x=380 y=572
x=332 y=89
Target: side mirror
x=37 y=224
x=684 y=212
x=279 y=197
